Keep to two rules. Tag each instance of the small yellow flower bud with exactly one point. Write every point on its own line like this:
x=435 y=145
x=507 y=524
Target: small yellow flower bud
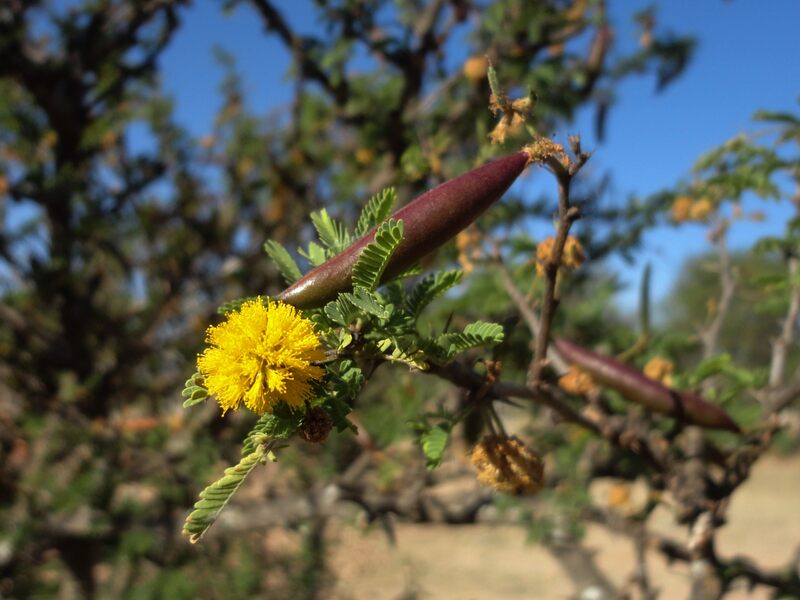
x=700 y=210
x=681 y=208
x=475 y=68
x=577 y=382
x=364 y=156
x=571 y=258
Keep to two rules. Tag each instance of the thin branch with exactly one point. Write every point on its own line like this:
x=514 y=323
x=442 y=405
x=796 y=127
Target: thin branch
x=274 y=21
x=710 y=336
x=525 y=310
x=567 y=215
x=781 y=345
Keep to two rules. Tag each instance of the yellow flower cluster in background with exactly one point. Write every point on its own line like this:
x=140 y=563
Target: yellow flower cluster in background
x=686 y=209
x=468 y=243
x=475 y=68
x=505 y=464
x=571 y=258
x=660 y=369
x=261 y=355
x=577 y=382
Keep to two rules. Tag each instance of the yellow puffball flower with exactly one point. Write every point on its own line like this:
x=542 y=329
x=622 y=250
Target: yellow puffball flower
x=700 y=210
x=681 y=208
x=660 y=369
x=261 y=355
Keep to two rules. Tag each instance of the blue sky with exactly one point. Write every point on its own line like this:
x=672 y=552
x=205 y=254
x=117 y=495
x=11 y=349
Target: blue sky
x=748 y=58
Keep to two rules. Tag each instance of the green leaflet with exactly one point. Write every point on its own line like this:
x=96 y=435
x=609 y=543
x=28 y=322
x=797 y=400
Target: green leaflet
x=331 y=233
x=474 y=334
x=376 y=211
x=411 y=356
x=368 y=302
x=316 y=254
x=216 y=496
x=374 y=258
x=194 y=391
x=279 y=425
x=285 y=263
x=434 y=442
x=429 y=289
x=341 y=311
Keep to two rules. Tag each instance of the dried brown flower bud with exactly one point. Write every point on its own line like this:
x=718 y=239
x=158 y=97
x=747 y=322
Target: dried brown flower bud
x=700 y=210
x=543 y=149
x=577 y=382
x=681 y=208
x=316 y=426
x=505 y=464
x=572 y=257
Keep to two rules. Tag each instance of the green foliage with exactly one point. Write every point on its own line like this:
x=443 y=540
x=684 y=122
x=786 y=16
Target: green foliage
x=332 y=234
x=429 y=289
x=375 y=211
x=278 y=425
x=373 y=259
x=217 y=495
x=367 y=302
x=434 y=442
x=194 y=391
x=283 y=260
x=474 y=335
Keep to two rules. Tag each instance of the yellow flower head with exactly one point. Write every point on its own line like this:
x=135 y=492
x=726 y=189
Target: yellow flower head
x=507 y=465
x=261 y=355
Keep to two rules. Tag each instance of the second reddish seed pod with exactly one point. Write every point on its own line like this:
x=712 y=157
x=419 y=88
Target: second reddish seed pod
x=636 y=387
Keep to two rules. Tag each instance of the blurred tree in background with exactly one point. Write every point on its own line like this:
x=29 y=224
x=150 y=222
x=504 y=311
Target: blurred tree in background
x=115 y=255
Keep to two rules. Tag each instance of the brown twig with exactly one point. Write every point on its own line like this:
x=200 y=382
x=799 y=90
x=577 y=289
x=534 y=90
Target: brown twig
x=567 y=215
x=525 y=310
x=710 y=336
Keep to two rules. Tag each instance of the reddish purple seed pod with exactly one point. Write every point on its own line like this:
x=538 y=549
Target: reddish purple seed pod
x=636 y=387
x=428 y=222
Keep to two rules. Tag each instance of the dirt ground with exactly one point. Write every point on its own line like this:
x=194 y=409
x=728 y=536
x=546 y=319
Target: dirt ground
x=487 y=562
